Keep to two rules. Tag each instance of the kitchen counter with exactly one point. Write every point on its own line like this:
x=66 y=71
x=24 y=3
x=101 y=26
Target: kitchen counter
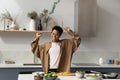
x=98 y=66
x=72 y=66
x=31 y=77
x=19 y=66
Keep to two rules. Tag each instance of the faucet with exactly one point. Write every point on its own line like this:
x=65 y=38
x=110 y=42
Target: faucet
x=35 y=60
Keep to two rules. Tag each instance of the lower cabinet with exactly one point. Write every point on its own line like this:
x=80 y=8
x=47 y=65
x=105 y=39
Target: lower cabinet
x=12 y=73
x=106 y=70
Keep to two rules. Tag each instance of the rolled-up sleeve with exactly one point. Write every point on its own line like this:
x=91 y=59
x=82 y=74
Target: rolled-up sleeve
x=35 y=47
x=75 y=39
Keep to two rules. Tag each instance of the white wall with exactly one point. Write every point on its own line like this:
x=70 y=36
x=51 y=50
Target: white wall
x=107 y=29
x=64 y=11
x=64 y=15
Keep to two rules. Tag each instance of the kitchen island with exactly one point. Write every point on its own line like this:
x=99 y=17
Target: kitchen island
x=31 y=77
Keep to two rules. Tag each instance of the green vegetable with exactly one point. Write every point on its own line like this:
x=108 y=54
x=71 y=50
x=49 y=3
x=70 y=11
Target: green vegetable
x=50 y=74
x=80 y=72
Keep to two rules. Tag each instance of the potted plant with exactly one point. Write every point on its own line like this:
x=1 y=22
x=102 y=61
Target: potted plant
x=32 y=15
x=50 y=76
x=5 y=15
x=45 y=16
x=79 y=74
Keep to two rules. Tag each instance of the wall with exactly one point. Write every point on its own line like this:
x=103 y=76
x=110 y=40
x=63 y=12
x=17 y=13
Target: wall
x=20 y=8
x=14 y=43
x=107 y=29
x=105 y=44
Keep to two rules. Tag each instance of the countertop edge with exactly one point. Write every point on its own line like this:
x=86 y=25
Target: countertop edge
x=72 y=66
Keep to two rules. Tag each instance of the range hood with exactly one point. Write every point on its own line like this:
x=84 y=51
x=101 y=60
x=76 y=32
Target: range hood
x=85 y=17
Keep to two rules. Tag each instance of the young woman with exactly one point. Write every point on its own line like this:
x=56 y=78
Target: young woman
x=56 y=55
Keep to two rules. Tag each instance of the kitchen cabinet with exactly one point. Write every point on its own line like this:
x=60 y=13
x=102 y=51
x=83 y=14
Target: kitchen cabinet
x=99 y=69
x=11 y=71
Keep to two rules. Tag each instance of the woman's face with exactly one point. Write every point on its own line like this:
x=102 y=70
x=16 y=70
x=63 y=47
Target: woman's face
x=55 y=36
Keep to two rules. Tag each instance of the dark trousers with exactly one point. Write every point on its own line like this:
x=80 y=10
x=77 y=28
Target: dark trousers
x=52 y=70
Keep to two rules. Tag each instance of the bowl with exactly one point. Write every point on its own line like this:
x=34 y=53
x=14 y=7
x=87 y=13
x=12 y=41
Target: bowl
x=50 y=78
x=79 y=75
x=38 y=75
x=110 y=75
x=93 y=77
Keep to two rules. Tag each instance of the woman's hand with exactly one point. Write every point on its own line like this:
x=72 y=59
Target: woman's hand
x=67 y=29
x=38 y=34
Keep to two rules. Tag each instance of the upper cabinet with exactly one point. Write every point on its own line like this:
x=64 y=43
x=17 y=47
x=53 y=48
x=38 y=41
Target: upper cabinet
x=85 y=17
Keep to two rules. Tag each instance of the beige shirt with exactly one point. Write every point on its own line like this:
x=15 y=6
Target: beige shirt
x=67 y=48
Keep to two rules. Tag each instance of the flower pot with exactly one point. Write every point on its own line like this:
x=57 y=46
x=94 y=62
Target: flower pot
x=32 y=25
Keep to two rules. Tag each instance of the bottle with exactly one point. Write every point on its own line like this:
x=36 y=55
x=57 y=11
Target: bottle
x=40 y=25
x=116 y=61
x=100 y=60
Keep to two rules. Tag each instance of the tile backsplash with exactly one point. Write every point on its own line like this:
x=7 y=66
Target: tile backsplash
x=18 y=56
x=21 y=57
x=93 y=57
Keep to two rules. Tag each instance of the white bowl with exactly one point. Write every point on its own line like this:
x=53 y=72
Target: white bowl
x=78 y=75
x=38 y=73
x=92 y=78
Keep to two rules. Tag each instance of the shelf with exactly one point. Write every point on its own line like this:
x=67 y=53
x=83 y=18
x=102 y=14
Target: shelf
x=21 y=31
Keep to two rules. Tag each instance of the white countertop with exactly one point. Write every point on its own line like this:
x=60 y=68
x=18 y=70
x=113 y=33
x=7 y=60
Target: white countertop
x=100 y=66
x=38 y=66
x=18 y=66
x=31 y=77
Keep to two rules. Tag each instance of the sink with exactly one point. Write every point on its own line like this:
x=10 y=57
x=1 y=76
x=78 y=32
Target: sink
x=85 y=64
